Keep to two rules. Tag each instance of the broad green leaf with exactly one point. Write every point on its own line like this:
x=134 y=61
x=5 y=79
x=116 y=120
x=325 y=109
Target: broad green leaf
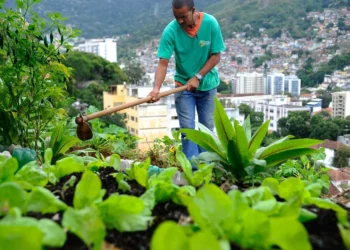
x=32 y=174
x=288 y=234
x=48 y=155
x=8 y=169
x=115 y=161
x=240 y=202
x=269 y=207
x=271 y=183
x=315 y=189
x=11 y=195
x=256 y=195
x=149 y=198
x=255 y=229
x=234 y=159
x=223 y=124
x=291 y=188
x=139 y=171
x=87 y=190
x=184 y=195
x=54 y=236
x=185 y=165
x=242 y=144
x=204 y=140
x=86 y=224
x=20 y=237
x=247 y=128
x=258 y=137
x=212 y=209
x=288 y=145
x=204 y=240
x=209 y=157
x=202 y=175
x=262 y=149
x=204 y=129
x=345 y=234
x=274 y=159
x=68 y=166
x=43 y=201
x=169 y=236
x=125 y=213
x=306 y=215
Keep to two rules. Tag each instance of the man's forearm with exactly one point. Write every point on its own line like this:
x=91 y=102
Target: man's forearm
x=210 y=64
x=160 y=76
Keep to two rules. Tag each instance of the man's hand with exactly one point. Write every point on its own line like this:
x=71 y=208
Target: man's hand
x=155 y=95
x=192 y=84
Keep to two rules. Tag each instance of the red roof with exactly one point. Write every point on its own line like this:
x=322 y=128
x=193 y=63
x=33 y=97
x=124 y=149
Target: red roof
x=339 y=175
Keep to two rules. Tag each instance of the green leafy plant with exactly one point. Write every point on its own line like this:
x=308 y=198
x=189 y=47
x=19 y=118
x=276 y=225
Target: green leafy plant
x=23 y=156
x=60 y=142
x=239 y=151
x=201 y=176
x=306 y=169
x=32 y=78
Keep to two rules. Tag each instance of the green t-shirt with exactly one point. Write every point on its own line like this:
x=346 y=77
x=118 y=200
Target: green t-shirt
x=191 y=53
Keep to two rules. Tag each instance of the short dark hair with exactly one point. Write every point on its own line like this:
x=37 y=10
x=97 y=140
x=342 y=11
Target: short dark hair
x=177 y=4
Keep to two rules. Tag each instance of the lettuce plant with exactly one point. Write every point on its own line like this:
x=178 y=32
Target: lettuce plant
x=239 y=151
x=198 y=178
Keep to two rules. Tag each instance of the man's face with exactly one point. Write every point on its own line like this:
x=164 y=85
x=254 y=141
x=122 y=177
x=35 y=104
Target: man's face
x=184 y=16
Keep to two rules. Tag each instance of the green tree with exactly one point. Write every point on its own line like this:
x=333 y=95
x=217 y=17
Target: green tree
x=134 y=72
x=32 y=76
x=297 y=124
x=325 y=130
x=90 y=67
x=341 y=158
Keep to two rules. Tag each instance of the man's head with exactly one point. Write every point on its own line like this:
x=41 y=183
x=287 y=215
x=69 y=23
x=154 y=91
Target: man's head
x=183 y=11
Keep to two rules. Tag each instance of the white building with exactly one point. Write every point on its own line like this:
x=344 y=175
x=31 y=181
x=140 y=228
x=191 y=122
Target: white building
x=292 y=84
x=248 y=83
x=341 y=104
x=274 y=84
x=106 y=48
x=275 y=108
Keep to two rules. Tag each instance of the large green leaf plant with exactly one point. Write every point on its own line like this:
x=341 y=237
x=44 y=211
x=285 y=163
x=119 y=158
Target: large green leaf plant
x=240 y=152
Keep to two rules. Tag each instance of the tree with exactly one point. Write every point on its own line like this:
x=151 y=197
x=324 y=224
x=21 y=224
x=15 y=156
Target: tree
x=341 y=158
x=134 y=72
x=91 y=67
x=325 y=130
x=33 y=80
x=297 y=124
x=256 y=118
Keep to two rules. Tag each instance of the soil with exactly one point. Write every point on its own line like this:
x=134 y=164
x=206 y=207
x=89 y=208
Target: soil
x=323 y=232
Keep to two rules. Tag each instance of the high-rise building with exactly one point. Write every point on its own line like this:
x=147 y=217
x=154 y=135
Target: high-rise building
x=106 y=48
x=292 y=84
x=248 y=83
x=274 y=84
x=341 y=104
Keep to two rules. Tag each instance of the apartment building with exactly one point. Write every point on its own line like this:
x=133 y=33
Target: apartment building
x=292 y=84
x=275 y=84
x=147 y=121
x=341 y=104
x=106 y=48
x=248 y=83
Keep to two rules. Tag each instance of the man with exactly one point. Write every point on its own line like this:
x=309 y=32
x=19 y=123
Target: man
x=196 y=39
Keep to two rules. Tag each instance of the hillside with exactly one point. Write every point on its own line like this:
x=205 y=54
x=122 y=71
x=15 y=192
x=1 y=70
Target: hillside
x=147 y=18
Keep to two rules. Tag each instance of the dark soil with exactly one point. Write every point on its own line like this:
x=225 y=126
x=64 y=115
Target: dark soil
x=323 y=232
x=141 y=240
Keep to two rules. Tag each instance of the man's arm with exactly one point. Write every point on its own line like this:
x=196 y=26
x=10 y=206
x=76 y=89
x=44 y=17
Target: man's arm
x=159 y=78
x=214 y=59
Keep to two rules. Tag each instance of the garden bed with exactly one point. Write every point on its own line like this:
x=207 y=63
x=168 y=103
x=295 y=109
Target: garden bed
x=323 y=231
